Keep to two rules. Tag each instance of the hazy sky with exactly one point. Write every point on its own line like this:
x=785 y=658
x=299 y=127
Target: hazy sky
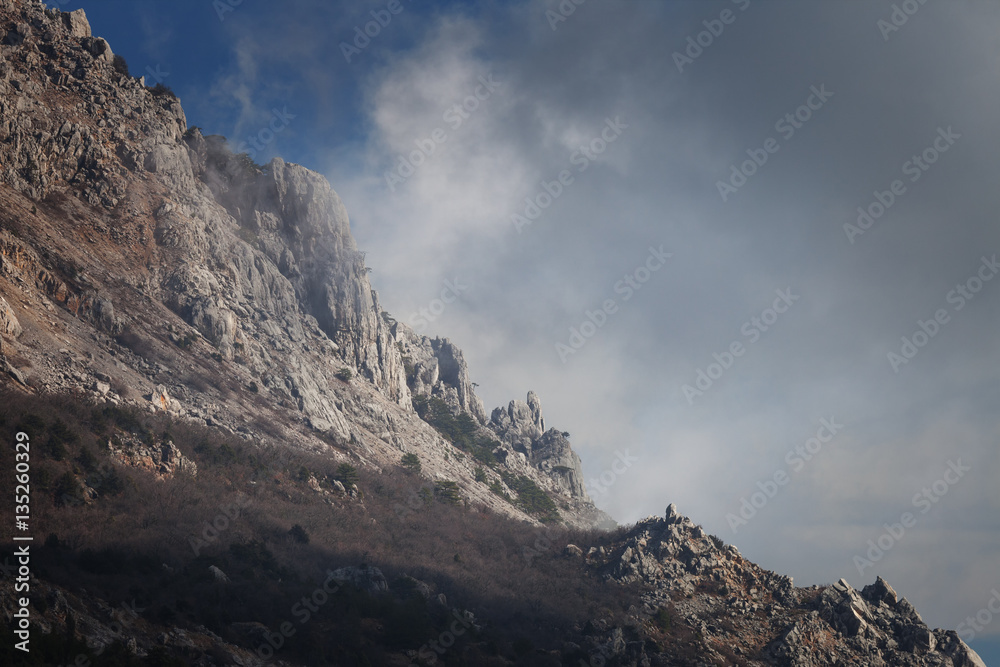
x=679 y=183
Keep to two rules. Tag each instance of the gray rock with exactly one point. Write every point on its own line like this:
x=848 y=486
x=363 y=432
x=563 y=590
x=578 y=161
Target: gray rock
x=9 y=324
x=103 y=313
x=367 y=578
x=521 y=428
x=76 y=23
x=436 y=367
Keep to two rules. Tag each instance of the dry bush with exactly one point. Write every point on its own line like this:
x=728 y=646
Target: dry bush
x=117 y=546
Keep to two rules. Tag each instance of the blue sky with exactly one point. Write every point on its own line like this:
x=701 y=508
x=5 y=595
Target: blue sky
x=600 y=141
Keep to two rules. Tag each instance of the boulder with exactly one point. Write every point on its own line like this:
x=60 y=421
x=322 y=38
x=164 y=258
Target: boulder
x=366 y=578
x=76 y=23
x=161 y=400
x=880 y=591
x=9 y=325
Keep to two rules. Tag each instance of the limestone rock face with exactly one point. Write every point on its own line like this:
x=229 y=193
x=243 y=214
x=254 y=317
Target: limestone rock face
x=76 y=23
x=436 y=367
x=520 y=423
x=521 y=429
x=292 y=217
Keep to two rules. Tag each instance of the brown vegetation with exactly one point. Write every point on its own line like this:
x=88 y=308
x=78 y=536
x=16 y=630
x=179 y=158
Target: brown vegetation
x=151 y=539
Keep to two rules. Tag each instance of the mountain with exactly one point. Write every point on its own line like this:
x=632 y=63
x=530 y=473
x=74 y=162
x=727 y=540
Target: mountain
x=180 y=324
x=160 y=260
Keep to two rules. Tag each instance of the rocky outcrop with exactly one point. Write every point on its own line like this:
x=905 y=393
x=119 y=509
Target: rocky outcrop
x=367 y=578
x=521 y=429
x=164 y=459
x=436 y=367
x=738 y=611
x=520 y=424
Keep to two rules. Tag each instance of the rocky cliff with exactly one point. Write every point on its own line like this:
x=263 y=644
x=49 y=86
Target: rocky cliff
x=152 y=256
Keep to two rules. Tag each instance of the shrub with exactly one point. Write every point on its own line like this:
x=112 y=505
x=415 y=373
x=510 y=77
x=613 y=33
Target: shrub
x=67 y=491
x=271 y=570
x=110 y=482
x=87 y=460
x=344 y=374
x=347 y=475
x=249 y=237
x=497 y=489
x=120 y=65
x=462 y=430
x=447 y=491
x=480 y=474
x=662 y=619
x=184 y=342
x=531 y=498
x=299 y=534
x=411 y=462
x=159 y=90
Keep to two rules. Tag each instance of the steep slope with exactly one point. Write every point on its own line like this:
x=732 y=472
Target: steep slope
x=145 y=261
